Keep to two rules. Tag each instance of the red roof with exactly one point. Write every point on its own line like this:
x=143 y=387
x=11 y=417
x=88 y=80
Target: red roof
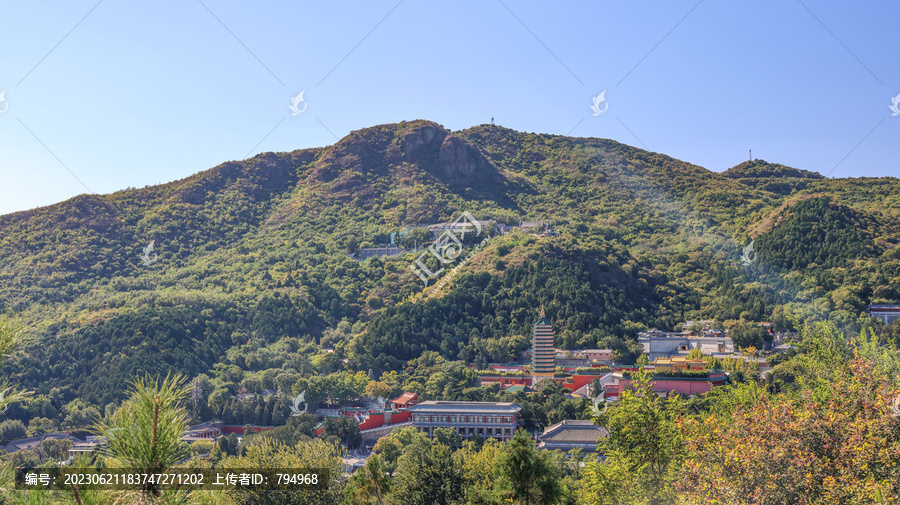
x=406 y=398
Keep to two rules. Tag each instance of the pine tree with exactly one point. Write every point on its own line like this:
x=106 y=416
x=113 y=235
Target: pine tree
x=144 y=434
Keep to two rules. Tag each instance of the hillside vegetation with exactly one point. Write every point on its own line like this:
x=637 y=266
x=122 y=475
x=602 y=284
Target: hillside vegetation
x=252 y=270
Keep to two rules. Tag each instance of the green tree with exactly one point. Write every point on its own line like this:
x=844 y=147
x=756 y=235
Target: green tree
x=40 y=426
x=298 y=428
x=54 y=450
x=377 y=389
x=25 y=458
x=391 y=447
x=11 y=333
x=526 y=475
x=218 y=400
x=428 y=473
x=345 y=428
x=316 y=454
x=642 y=360
x=749 y=335
x=201 y=447
x=448 y=437
x=481 y=467
x=229 y=445
x=369 y=485
x=11 y=429
x=144 y=434
x=643 y=449
x=80 y=415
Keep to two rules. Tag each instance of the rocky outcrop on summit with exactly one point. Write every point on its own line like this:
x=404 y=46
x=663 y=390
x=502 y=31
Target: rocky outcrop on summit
x=423 y=142
x=448 y=156
x=392 y=159
x=460 y=159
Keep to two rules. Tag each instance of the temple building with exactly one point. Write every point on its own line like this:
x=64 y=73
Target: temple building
x=486 y=419
x=543 y=349
x=679 y=364
x=887 y=313
x=571 y=434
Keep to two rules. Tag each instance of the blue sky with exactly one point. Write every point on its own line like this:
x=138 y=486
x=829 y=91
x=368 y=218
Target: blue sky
x=104 y=96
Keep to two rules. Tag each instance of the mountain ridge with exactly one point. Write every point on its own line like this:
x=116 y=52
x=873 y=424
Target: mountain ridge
x=248 y=247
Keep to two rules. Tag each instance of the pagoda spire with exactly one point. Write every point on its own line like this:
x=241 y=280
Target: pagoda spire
x=543 y=353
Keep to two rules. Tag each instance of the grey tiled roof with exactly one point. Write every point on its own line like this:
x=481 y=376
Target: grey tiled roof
x=572 y=431
x=32 y=442
x=446 y=407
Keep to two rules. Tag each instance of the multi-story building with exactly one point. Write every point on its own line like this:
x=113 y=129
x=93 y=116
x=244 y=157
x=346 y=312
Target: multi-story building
x=582 y=357
x=887 y=313
x=704 y=324
x=658 y=344
x=679 y=364
x=543 y=352
x=486 y=419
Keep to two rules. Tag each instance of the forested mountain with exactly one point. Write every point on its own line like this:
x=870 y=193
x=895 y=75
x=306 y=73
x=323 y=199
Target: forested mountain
x=251 y=268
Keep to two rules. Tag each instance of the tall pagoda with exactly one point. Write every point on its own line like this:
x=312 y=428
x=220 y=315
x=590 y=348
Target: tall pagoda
x=543 y=352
